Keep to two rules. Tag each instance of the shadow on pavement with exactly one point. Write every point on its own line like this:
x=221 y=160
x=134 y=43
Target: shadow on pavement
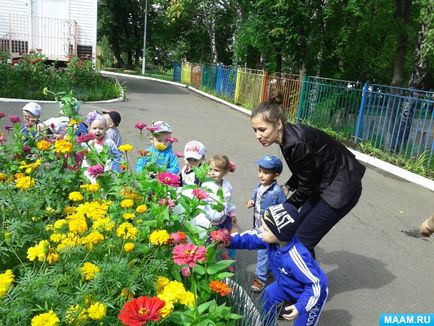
x=329 y=317
x=150 y=87
x=353 y=271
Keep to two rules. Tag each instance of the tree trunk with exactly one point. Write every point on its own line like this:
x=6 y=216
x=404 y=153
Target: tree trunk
x=209 y=22
x=403 y=15
x=420 y=66
x=117 y=54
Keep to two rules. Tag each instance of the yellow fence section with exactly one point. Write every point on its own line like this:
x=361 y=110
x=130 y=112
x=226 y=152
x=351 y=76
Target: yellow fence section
x=186 y=73
x=249 y=87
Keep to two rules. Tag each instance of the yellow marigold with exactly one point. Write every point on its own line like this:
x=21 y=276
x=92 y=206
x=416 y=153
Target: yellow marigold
x=128 y=216
x=128 y=192
x=159 y=237
x=94 y=210
x=92 y=239
x=127 y=203
x=89 y=270
x=52 y=257
x=68 y=210
x=161 y=147
x=3 y=177
x=74 y=122
x=188 y=299
x=6 y=280
x=97 y=311
x=60 y=223
x=76 y=315
x=127 y=231
x=168 y=307
x=24 y=183
x=75 y=196
x=43 y=145
x=46 y=319
x=141 y=208
x=174 y=291
x=39 y=251
x=161 y=283
x=70 y=240
x=129 y=246
x=77 y=224
x=63 y=146
x=28 y=168
x=57 y=237
x=90 y=187
x=126 y=148
x=105 y=224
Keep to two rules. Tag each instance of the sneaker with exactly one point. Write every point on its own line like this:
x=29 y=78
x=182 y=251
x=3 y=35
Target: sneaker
x=257 y=285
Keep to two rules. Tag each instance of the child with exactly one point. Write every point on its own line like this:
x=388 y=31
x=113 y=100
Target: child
x=31 y=115
x=113 y=120
x=427 y=226
x=160 y=153
x=267 y=193
x=98 y=127
x=219 y=166
x=194 y=155
x=298 y=277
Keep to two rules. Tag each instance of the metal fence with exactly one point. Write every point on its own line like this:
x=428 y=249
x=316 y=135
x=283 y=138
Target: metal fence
x=397 y=120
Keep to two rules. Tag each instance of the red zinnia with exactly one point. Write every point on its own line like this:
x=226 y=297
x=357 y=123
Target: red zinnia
x=169 y=179
x=221 y=236
x=139 y=311
x=188 y=254
x=200 y=194
x=14 y=118
x=178 y=237
x=95 y=170
x=85 y=138
x=140 y=125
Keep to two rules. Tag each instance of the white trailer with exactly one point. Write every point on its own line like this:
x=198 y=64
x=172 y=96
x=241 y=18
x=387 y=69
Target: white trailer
x=57 y=28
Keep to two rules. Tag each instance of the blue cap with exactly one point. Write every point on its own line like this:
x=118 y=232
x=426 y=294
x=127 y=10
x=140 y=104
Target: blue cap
x=271 y=162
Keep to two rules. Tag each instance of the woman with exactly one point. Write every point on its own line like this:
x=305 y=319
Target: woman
x=326 y=177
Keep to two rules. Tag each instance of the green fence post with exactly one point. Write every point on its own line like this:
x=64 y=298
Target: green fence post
x=301 y=99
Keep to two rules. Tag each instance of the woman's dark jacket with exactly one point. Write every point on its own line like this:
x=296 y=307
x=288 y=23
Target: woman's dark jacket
x=320 y=165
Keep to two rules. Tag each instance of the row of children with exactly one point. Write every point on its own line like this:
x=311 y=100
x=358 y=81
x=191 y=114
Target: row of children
x=299 y=282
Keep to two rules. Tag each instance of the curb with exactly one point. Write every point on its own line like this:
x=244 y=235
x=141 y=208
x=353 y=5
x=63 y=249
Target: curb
x=364 y=158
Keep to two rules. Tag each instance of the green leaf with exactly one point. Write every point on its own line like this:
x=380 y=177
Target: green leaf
x=218 y=266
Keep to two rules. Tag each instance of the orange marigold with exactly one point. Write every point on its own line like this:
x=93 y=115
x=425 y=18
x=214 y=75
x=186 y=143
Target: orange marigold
x=220 y=288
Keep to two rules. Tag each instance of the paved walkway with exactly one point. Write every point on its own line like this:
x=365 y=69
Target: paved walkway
x=374 y=258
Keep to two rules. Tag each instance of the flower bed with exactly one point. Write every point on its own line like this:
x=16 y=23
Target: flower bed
x=115 y=251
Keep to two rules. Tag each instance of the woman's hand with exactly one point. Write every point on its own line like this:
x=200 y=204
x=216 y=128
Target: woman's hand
x=292 y=312
x=250 y=203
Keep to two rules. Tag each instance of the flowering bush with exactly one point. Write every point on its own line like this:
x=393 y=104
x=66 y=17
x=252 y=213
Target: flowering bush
x=113 y=251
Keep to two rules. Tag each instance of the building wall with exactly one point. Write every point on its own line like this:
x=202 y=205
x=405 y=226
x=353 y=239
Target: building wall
x=11 y=7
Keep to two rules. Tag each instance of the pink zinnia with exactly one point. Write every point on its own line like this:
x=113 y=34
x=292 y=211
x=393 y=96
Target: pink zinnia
x=151 y=129
x=14 y=118
x=172 y=139
x=95 y=170
x=178 y=237
x=85 y=138
x=179 y=154
x=26 y=148
x=169 y=179
x=200 y=194
x=221 y=236
x=188 y=254
x=140 y=125
x=185 y=271
x=2 y=115
x=232 y=166
x=2 y=139
x=8 y=128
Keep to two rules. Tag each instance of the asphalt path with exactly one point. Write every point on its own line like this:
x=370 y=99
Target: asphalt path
x=374 y=259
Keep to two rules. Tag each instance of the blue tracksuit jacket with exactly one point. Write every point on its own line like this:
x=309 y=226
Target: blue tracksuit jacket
x=298 y=277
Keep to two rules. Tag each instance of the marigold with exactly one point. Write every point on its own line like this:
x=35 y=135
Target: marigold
x=30 y=167
x=24 y=183
x=39 y=251
x=90 y=187
x=89 y=270
x=43 y=145
x=52 y=257
x=63 y=146
x=105 y=224
x=45 y=319
x=127 y=231
x=161 y=147
x=75 y=196
x=128 y=216
x=92 y=239
x=188 y=299
x=126 y=148
x=141 y=209
x=3 y=177
x=161 y=282
x=97 y=311
x=129 y=246
x=6 y=280
x=77 y=223
x=220 y=288
x=76 y=315
x=127 y=203
x=159 y=237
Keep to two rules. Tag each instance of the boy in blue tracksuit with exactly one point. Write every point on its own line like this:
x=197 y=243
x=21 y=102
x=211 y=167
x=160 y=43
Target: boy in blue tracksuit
x=160 y=153
x=298 y=277
x=267 y=193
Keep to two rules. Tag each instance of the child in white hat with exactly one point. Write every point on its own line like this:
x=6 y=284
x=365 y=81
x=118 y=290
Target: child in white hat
x=31 y=115
x=194 y=155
